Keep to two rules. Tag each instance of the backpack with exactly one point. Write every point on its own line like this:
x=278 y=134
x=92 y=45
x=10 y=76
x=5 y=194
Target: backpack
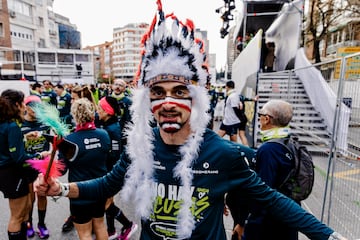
x=300 y=180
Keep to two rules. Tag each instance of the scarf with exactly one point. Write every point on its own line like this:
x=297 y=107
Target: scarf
x=273 y=133
x=85 y=126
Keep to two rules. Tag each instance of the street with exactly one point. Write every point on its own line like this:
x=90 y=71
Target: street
x=58 y=211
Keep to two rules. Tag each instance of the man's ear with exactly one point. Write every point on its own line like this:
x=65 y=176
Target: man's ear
x=268 y=119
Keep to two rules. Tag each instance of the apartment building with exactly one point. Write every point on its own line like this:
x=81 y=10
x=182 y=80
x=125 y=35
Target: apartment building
x=126 y=50
x=35 y=43
x=102 y=58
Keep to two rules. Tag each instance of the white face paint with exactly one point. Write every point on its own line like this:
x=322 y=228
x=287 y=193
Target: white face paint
x=171 y=105
x=170 y=112
x=181 y=103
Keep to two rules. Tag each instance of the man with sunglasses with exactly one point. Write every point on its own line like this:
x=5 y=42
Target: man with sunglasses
x=273 y=165
x=124 y=101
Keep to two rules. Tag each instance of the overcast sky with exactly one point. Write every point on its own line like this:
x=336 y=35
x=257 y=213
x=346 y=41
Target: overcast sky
x=97 y=19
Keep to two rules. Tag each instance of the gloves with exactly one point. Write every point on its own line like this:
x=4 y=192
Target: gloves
x=336 y=236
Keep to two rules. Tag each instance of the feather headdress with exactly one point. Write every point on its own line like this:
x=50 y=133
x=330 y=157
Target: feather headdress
x=171 y=53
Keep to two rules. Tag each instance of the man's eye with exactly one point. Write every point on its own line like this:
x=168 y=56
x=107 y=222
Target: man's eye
x=157 y=93
x=180 y=93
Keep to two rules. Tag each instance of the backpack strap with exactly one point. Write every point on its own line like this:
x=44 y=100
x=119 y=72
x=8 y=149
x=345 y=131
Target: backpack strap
x=285 y=142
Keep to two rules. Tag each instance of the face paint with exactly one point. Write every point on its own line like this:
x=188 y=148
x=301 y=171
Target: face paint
x=181 y=103
x=170 y=118
x=170 y=127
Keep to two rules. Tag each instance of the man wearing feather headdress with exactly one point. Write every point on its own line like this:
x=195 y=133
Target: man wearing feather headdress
x=177 y=173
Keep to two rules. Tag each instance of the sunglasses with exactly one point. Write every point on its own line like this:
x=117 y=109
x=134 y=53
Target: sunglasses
x=264 y=114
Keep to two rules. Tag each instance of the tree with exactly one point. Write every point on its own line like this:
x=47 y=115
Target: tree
x=69 y=37
x=323 y=15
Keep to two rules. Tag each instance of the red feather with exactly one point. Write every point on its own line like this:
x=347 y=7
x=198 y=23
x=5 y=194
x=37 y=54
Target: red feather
x=41 y=166
x=190 y=24
x=158 y=2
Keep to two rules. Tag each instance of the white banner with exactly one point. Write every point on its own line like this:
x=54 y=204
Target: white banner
x=23 y=86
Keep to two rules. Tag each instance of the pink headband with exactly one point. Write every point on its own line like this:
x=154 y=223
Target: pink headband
x=32 y=99
x=106 y=106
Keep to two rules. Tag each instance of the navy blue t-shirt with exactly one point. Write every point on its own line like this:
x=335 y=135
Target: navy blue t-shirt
x=89 y=162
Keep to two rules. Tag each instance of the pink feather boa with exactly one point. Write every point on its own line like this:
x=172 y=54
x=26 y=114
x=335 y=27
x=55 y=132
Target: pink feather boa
x=41 y=166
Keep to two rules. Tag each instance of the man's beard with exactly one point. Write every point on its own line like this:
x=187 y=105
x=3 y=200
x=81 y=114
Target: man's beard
x=170 y=127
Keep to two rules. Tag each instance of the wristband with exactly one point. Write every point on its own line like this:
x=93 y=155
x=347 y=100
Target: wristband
x=64 y=189
x=336 y=236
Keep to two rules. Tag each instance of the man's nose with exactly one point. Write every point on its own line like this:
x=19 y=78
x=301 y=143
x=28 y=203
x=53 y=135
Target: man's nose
x=169 y=102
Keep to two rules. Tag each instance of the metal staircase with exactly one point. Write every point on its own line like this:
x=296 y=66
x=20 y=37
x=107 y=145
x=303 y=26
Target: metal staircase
x=306 y=123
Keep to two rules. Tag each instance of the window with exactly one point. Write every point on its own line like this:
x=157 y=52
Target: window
x=1 y=30
x=41 y=43
x=65 y=58
x=82 y=58
x=41 y=21
x=339 y=36
x=39 y=2
x=28 y=57
x=347 y=35
x=20 y=7
x=46 y=58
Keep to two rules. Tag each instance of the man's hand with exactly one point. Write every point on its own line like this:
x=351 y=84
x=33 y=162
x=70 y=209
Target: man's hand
x=51 y=187
x=239 y=230
x=241 y=105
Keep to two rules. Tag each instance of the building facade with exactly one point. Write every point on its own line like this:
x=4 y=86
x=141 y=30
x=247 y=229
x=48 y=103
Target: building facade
x=126 y=50
x=29 y=28
x=343 y=29
x=102 y=58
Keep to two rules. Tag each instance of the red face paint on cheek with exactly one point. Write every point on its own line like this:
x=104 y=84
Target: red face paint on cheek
x=181 y=103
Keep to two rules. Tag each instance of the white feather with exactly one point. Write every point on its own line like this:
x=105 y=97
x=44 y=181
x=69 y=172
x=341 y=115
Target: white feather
x=139 y=177
x=198 y=121
x=170 y=63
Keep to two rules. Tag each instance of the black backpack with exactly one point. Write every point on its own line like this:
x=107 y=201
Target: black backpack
x=300 y=180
